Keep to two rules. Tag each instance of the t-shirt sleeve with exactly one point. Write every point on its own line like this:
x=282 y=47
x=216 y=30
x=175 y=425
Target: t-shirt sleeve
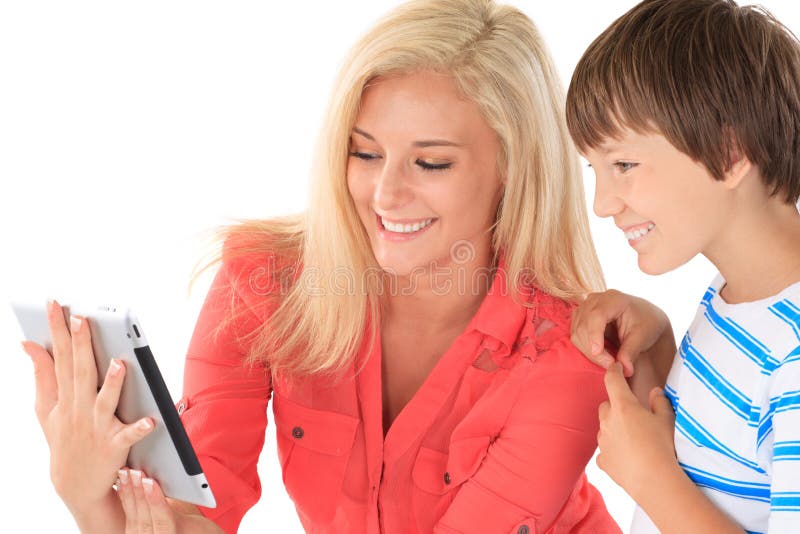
x=536 y=464
x=224 y=407
x=785 y=486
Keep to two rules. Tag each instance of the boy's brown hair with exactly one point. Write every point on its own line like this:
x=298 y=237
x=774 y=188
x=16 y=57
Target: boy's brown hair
x=714 y=78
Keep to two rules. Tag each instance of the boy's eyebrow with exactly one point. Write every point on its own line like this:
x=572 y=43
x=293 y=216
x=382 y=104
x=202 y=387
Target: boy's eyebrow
x=607 y=147
x=421 y=144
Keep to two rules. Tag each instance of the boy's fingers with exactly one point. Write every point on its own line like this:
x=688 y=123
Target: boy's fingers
x=616 y=385
x=45 y=378
x=660 y=404
x=62 y=350
x=84 y=366
x=589 y=337
x=108 y=396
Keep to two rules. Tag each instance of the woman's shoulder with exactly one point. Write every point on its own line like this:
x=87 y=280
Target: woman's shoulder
x=548 y=326
x=259 y=264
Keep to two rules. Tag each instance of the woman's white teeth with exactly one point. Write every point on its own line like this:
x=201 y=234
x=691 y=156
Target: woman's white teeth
x=405 y=228
x=636 y=234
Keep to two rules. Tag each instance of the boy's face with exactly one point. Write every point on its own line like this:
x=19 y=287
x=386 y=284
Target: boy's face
x=668 y=206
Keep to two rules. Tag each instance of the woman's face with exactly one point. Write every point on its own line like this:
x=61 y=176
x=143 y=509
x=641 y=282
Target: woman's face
x=422 y=172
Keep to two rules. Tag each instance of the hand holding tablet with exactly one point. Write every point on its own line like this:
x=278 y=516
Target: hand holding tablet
x=94 y=431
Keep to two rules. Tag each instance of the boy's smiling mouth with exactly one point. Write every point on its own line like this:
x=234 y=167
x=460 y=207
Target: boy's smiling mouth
x=635 y=233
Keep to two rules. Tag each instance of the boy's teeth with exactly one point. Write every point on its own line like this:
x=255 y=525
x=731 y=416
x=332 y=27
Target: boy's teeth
x=636 y=234
x=405 y=228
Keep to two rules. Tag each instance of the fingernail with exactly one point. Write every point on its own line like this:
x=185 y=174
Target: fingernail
x=147 y=485
x=75 y=324
x=606 y=361
x=123 y=475
x=596 y=348
x=49 y=305
x=114 y=368
x=144 y=424
x=136 y=477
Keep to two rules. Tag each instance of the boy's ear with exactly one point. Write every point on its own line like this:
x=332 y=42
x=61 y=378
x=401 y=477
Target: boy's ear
x=738 y=167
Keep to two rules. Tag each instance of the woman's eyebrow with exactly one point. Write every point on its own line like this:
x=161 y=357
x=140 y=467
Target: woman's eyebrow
x=421 y=144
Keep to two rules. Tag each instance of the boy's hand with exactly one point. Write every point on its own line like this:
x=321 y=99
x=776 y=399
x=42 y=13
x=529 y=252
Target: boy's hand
x=637 y=324
x=636 y=444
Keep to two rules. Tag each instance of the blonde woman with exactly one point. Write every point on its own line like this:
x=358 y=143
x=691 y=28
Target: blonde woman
x=412 y=327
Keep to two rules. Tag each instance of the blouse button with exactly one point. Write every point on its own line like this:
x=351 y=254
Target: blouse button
x=297 y=432
x=523 y=530
x=446 y=477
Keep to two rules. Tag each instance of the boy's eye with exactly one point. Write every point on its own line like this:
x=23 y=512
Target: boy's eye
x=428 y=166
x=367 y=156
x=625 y=166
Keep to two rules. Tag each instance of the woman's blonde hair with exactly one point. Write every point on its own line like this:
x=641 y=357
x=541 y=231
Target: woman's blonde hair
x=499 y=60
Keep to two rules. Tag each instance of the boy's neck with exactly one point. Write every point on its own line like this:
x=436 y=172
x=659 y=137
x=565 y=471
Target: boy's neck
x=758 y=253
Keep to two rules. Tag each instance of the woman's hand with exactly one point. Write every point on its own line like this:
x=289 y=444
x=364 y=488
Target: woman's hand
x=636 y=444
x=148 y=511
x=88 y=444
x=637 y=325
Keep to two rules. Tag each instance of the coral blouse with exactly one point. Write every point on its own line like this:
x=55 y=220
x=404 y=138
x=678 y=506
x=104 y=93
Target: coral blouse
x=495 y=440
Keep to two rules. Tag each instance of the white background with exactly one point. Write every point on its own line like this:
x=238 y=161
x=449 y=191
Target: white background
x=128 y=129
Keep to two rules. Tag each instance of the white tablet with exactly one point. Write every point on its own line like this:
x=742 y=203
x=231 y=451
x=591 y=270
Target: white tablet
x=166 y=453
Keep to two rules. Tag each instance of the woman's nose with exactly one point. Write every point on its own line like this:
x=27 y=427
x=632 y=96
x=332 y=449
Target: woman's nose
x=391 y=188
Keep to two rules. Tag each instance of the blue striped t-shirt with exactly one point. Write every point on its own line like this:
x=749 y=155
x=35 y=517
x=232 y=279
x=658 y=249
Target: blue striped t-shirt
x=735 y=387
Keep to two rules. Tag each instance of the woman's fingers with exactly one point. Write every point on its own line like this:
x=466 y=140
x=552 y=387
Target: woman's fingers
x=45 y=377
x=145 y=506
x=130 y=434
x=108 y=396
x=126 y=497
x=160 y=511
x=143 y=520
x=84 y=366
x=62 y=350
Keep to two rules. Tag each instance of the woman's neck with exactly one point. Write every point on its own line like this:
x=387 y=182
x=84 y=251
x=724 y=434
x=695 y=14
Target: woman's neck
x=440 y=297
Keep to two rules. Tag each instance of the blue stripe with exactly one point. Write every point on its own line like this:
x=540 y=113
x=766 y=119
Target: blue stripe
x=752 y=532
x=788 y=313
x=739 y=337
x=786 y=402
x=715 y=382
x=783 y=451
x=787 y=501
x=752 y=491
x=701 y=437
x=793 y=356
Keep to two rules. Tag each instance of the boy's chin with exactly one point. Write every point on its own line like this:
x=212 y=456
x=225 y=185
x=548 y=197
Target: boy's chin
x=654 y=266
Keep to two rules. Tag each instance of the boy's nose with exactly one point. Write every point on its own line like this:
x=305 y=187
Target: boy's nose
x=606 y=202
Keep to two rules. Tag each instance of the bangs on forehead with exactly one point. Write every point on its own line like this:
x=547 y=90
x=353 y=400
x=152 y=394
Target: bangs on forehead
x=605 y=98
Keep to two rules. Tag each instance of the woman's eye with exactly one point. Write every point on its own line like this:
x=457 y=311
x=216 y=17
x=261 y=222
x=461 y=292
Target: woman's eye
x=625 y=166
x=367 y=156
x=433 y=166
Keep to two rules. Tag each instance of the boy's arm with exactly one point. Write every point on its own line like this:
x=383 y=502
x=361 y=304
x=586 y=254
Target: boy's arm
x=637 y=451
x=676 y=505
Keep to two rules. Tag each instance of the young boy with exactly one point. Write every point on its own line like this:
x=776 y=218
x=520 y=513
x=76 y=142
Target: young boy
x=689 y=113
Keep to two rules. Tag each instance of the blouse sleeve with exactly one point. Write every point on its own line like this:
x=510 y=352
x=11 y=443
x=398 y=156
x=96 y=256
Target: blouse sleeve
x=536 y=464
x=224 y=408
